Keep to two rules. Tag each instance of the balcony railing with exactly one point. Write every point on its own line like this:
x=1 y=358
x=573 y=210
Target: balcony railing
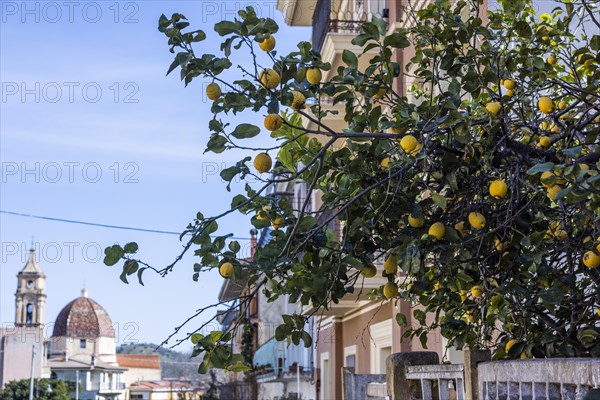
x=327 y=19
x=109 y=387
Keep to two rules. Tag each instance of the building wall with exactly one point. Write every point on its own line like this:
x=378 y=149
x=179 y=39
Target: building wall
x=15 y=353
x=273 y=390
x=104 y=348
x=141 y=374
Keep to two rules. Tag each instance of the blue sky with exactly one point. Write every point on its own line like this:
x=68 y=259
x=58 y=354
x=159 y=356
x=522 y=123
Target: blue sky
x=92 y=130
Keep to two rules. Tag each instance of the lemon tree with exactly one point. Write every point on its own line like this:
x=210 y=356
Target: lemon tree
x=478 y=188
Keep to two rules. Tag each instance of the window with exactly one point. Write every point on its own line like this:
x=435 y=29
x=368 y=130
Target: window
x=30 y=284
x=29 y=317
x=350 y=358
x=136 y=396
x=381 y=345
x=82 y=343
x=325 y=376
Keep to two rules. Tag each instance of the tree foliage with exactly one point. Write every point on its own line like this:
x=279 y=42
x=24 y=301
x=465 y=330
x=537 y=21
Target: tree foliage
x=480 y=181
x=19 y=390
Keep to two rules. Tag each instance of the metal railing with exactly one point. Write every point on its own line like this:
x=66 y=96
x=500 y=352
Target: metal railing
x=109 y=387
x=447 y=378
x=327 y=19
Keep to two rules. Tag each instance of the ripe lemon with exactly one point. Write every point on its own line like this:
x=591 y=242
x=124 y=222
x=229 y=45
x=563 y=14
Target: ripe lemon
x=269 y=78
x=460 y=228
x=470 y=317
x=273 y=122
x=226 y=270
x=263 y=163
x=562 y=105
x=268 y=44
x=591 y=259
x=409 y=143
x=437 y=230
x=381 y=92
x=390 y=265
x=263 y=214
x=494 y=107
x=545 y=141
x=476 y=291
x=298 y=100
x=509 y=84
x=476 y=220
x=463 y=295
x=551 y=60
x=510 y=92
x=553 y=191
x=277 y=223
x=314 y=75
x=510 y=344
x=385 y=163
x=499 y=245
x=523 y=356
x=544 y=179
x=498 y=188
x=390 y=290
x=437 y=286
x=416 y=222
x=213 y=91
x=369 y=271
x=546 y=105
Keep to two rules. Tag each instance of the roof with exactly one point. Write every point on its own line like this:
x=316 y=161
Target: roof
x=149 y=361
x=160 y=385
x=83 y=318
x=59 y=364
x=31 y=267
x=232 y=289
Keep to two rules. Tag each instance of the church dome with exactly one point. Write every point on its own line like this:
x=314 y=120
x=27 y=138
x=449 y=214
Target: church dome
x=83 y=318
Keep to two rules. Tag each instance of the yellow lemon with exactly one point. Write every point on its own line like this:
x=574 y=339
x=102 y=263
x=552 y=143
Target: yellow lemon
x=523 y=356
x=381 y=92
x=314 y=75
x=510 y=92
x=509 y=84
x=470 y=317
x=544 y=179
x=273 y=122
x=369 y=271
x=476 y=220
x=269 y=78
x=437 y=230
x=213 y=91
x=385 y=163
x=390 y=265
x=460 y=228
x=390 y=290
x=591 y=259
x=263 y=163
x=499 y=245
x=545 y=141
x=510 y=344
x=226 y=270
x=416 y=222
x=409 y=143
x=553 y=191
x=463 y=295
x=298 y=100
x=551 y=60
x=277 y=223
x=493 y=107
x=498 y=188
x=546 y=105
x=562 y=105
x=476 y=291
x=437 y=286
x=268 y=44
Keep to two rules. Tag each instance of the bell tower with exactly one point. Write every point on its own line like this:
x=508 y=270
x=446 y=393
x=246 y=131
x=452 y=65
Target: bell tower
x=30 y=297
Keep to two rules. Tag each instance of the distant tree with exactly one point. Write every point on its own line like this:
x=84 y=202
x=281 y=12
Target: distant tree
x=19 y=390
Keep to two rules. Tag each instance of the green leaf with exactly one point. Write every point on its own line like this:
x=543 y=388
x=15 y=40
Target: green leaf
x=543 y=167
x=224 y=28
x=595 y=43
x=396 y=40
x=350 y=59
x=401 y=320
x=131 y=247
x=244 y=131
x=216 y=143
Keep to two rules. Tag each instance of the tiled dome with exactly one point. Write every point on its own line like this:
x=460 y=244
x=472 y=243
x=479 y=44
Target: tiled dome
x=83 y=318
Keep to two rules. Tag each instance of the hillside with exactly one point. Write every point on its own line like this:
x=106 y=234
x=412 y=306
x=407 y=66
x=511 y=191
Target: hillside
x=174 y=364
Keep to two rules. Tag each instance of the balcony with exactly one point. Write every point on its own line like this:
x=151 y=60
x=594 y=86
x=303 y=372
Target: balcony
x=109 y=387
x=280 y=363
x=331 y=16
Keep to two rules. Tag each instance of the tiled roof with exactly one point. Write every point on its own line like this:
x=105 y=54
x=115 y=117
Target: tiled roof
x=83 y=318
x=150 y=361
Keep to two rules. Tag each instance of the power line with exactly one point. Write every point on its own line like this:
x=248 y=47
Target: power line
x=128 y=228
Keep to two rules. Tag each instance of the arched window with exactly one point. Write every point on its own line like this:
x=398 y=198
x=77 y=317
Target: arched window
x=29 y=315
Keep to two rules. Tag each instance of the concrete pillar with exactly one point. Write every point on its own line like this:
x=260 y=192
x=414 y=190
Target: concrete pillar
x=400 y=388
x=472 y=358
